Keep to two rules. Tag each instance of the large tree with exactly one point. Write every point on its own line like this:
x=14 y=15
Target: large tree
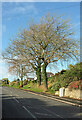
x=53 y=39
x=31 y=52
x=49 y=41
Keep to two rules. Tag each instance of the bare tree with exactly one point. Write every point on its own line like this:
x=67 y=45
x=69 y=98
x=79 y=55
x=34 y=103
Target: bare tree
x=17 y=64
x=20 y=69
x=50 y=41
x=53 y=40
x=31 y=53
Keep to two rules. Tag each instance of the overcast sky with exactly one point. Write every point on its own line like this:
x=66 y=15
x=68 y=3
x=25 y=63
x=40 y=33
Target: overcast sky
x=16 y=15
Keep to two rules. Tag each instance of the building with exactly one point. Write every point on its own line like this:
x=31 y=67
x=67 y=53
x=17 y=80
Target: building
x=30 y=79
x=49 y=74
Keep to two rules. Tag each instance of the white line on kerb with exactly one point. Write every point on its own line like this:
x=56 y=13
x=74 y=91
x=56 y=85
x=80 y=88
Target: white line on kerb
x=11 y=95
x=16 y=95
x=57 y=99
x=29 y=112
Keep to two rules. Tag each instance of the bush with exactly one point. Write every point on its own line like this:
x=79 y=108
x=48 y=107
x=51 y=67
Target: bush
x=34 y=81
x=20 y=86
x=29 y=81
x=25 y=82
x=63 y=80
x=50 y=87
x=51 y=79
x=56 y=86
x=72 y=74
x=13 y=83
x=18 y=83
x=75 y=85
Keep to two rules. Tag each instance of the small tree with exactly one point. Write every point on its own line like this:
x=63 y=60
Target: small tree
x=17 y=64
x=5 y=81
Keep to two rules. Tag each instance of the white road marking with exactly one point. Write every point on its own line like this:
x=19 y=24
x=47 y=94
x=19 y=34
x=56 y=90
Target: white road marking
x=33 y=93
x=29 y=107
x=16 y=100
x=43 y=114
x=33 y=107
x=16 y=95
x=21 y=97
x=53 y=113
x=11 y=95
x=29 y=112
x=57 y=99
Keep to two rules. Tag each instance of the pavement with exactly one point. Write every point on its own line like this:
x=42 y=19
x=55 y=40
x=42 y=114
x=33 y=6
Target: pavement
x=22 y=104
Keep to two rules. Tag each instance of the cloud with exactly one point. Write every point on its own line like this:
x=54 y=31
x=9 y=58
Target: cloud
x=18 y=8
x=4 y=70
x=24 y=9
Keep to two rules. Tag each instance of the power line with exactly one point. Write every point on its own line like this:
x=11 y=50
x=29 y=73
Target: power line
x=67 y=6
x=62 y=7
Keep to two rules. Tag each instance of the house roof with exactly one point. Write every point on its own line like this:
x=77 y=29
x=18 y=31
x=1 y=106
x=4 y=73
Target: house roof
x=49 y=74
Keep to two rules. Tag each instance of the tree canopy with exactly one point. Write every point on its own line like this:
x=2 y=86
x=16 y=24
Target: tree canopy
x=51 y=40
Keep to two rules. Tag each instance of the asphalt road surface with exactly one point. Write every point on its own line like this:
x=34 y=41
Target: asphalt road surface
x=22 y=104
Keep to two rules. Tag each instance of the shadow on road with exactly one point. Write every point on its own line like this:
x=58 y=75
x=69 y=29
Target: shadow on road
x=13 y=108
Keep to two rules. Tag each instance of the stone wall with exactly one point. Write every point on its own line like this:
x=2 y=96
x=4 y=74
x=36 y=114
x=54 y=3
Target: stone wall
x=77 y=94
x=73 y=93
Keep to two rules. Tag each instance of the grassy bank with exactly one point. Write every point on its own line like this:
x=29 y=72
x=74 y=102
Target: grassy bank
x=34 y=87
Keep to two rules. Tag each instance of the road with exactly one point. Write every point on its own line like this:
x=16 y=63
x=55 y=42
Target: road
x=22 y=104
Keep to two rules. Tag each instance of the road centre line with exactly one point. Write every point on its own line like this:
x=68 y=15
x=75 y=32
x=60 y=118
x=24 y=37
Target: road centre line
x=32 y=107
x=42 y=114
x=29 y=112
x=57 y=99
x=16 y=100
x=53 y=113
x=46 y=109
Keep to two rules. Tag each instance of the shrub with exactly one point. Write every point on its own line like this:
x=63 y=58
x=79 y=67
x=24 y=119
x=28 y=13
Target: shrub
x=25 y=82
x=51 y=79
x=63 y=80
x=75 y=85
x=20 y=86
x=50 y=87
x=18 y=83
x=13 y=83
x=56 y=86
x=34 y=81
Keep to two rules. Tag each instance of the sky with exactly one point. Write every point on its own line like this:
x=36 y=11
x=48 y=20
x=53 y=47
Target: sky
x=18 y=14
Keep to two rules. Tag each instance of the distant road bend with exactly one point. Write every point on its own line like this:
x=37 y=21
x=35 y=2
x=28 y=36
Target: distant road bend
x=22 y=104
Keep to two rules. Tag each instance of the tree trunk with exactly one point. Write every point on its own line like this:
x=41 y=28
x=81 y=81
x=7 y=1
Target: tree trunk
x=21 y=82
x=38 y=73
x=44 y=75
x=22 y=78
